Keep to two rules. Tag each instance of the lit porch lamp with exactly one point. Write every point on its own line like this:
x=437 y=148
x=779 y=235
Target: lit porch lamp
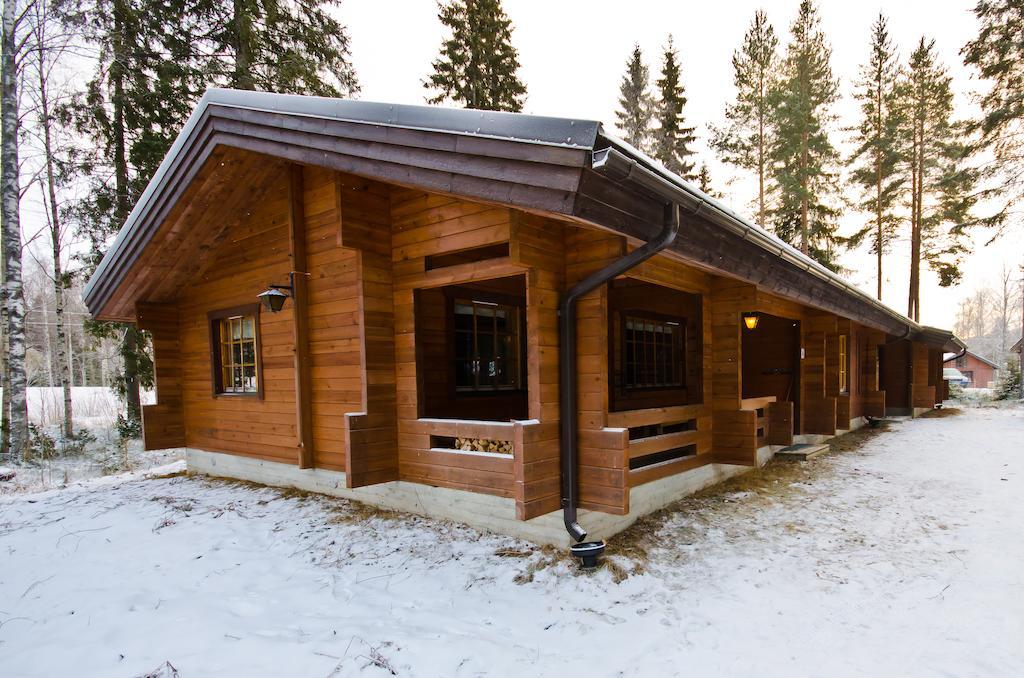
x=274 y=297
x=750 y=320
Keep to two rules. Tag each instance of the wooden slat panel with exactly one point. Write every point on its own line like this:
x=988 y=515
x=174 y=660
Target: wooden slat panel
x=644 y=446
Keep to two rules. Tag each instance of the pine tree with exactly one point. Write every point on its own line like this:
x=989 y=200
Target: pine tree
x=276 y=46
x=746 y=139
x=704 y=182
x=672 y=138
x=876 y=158
x=802 y=153
x=130 y=129
x=998 y=54
x=636 y=105
x=941 y=184
x=478 y=66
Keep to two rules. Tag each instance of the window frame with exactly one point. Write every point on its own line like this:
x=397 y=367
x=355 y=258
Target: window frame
x=843 y=349
x=516 y=304
x=214 y=319
x=680 y=346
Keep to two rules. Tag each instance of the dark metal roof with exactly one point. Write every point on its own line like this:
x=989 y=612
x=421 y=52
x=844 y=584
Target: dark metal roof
x=407 y=144
x=519 y=127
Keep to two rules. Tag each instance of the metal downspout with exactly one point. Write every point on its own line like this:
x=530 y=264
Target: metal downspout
x=568 y=396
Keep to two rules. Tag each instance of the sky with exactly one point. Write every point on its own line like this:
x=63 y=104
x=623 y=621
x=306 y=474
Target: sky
x=573 y=54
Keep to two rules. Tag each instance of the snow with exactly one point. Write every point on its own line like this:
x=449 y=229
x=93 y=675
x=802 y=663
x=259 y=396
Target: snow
x=898 y=557
x=92 y=406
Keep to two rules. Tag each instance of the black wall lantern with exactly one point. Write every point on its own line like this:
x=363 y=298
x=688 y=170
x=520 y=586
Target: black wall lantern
x=750 y=320
x=274 y=297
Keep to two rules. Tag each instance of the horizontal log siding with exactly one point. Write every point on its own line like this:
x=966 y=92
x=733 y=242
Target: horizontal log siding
x=162 y=422
x=734 y=433
x=537 y=244
x=371 y=438
x=253 y=254
x=603 y=453
x=425 y=224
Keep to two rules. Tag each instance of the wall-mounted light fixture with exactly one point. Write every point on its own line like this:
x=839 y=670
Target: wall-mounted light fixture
x=750 y=320
x=273 y=298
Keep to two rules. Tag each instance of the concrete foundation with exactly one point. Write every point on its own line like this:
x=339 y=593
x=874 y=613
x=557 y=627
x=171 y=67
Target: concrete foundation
x=482 y=511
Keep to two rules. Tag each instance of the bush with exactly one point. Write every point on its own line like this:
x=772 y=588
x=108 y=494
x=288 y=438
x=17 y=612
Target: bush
x=41 y=444
x=75 y=445
x=128 y=428
x=1009 y=383
x=956 y=391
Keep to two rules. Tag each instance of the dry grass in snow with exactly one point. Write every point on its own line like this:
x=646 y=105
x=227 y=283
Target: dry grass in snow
x=897 y=554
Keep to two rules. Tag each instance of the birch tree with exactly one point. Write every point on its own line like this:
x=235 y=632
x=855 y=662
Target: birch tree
x=42 y=62
x=14 y=42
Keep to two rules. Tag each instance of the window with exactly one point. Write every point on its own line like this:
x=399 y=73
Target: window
x=652 y=352
x=843 y=362
x=487 y=346
x=234 y=343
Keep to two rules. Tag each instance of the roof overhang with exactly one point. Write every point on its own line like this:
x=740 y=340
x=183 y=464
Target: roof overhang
x=540 y=164
x=938 y=338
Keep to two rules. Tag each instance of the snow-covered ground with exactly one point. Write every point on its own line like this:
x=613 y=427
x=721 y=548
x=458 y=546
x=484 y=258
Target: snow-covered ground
x=903 y=556
x=100 y=452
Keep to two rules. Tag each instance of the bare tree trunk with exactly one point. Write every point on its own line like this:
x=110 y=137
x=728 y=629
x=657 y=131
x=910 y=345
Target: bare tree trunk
x=243 y=46
x=880 y=235
x=122 y=204
x=5 y=374
x=761 y=150
x=14 y=298
x=56 y=238
x=804 y=225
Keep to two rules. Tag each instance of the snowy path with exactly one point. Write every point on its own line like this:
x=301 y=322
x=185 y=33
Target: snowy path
x=902 y=557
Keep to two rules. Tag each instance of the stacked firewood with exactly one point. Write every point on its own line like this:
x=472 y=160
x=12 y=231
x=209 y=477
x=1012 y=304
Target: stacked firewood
x=483 y=445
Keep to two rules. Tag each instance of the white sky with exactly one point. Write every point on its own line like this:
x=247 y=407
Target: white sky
x=573 y=54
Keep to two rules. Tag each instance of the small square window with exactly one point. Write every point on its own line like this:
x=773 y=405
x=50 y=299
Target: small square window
x=653 y=352
x=234 y=340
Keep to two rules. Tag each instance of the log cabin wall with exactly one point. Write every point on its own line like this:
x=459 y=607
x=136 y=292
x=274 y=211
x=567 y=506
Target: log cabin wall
x=896 y=375
x=163 y=425
x=857 y=353
x=870 y=373
x=372 y=249
x=606 y=448
x=603 y=450
x=691 y=289
x=254 y=253
x=734 y=430
x=922 y=388
x=425 y=225
x=794 y=312
x=370 y=432
x=819 y=407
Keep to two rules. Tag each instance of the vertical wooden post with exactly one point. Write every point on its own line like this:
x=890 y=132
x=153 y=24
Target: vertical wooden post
x=300 y=316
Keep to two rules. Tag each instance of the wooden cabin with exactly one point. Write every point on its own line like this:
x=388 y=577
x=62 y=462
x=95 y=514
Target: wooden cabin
x=979 y=371
x=421 y=255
